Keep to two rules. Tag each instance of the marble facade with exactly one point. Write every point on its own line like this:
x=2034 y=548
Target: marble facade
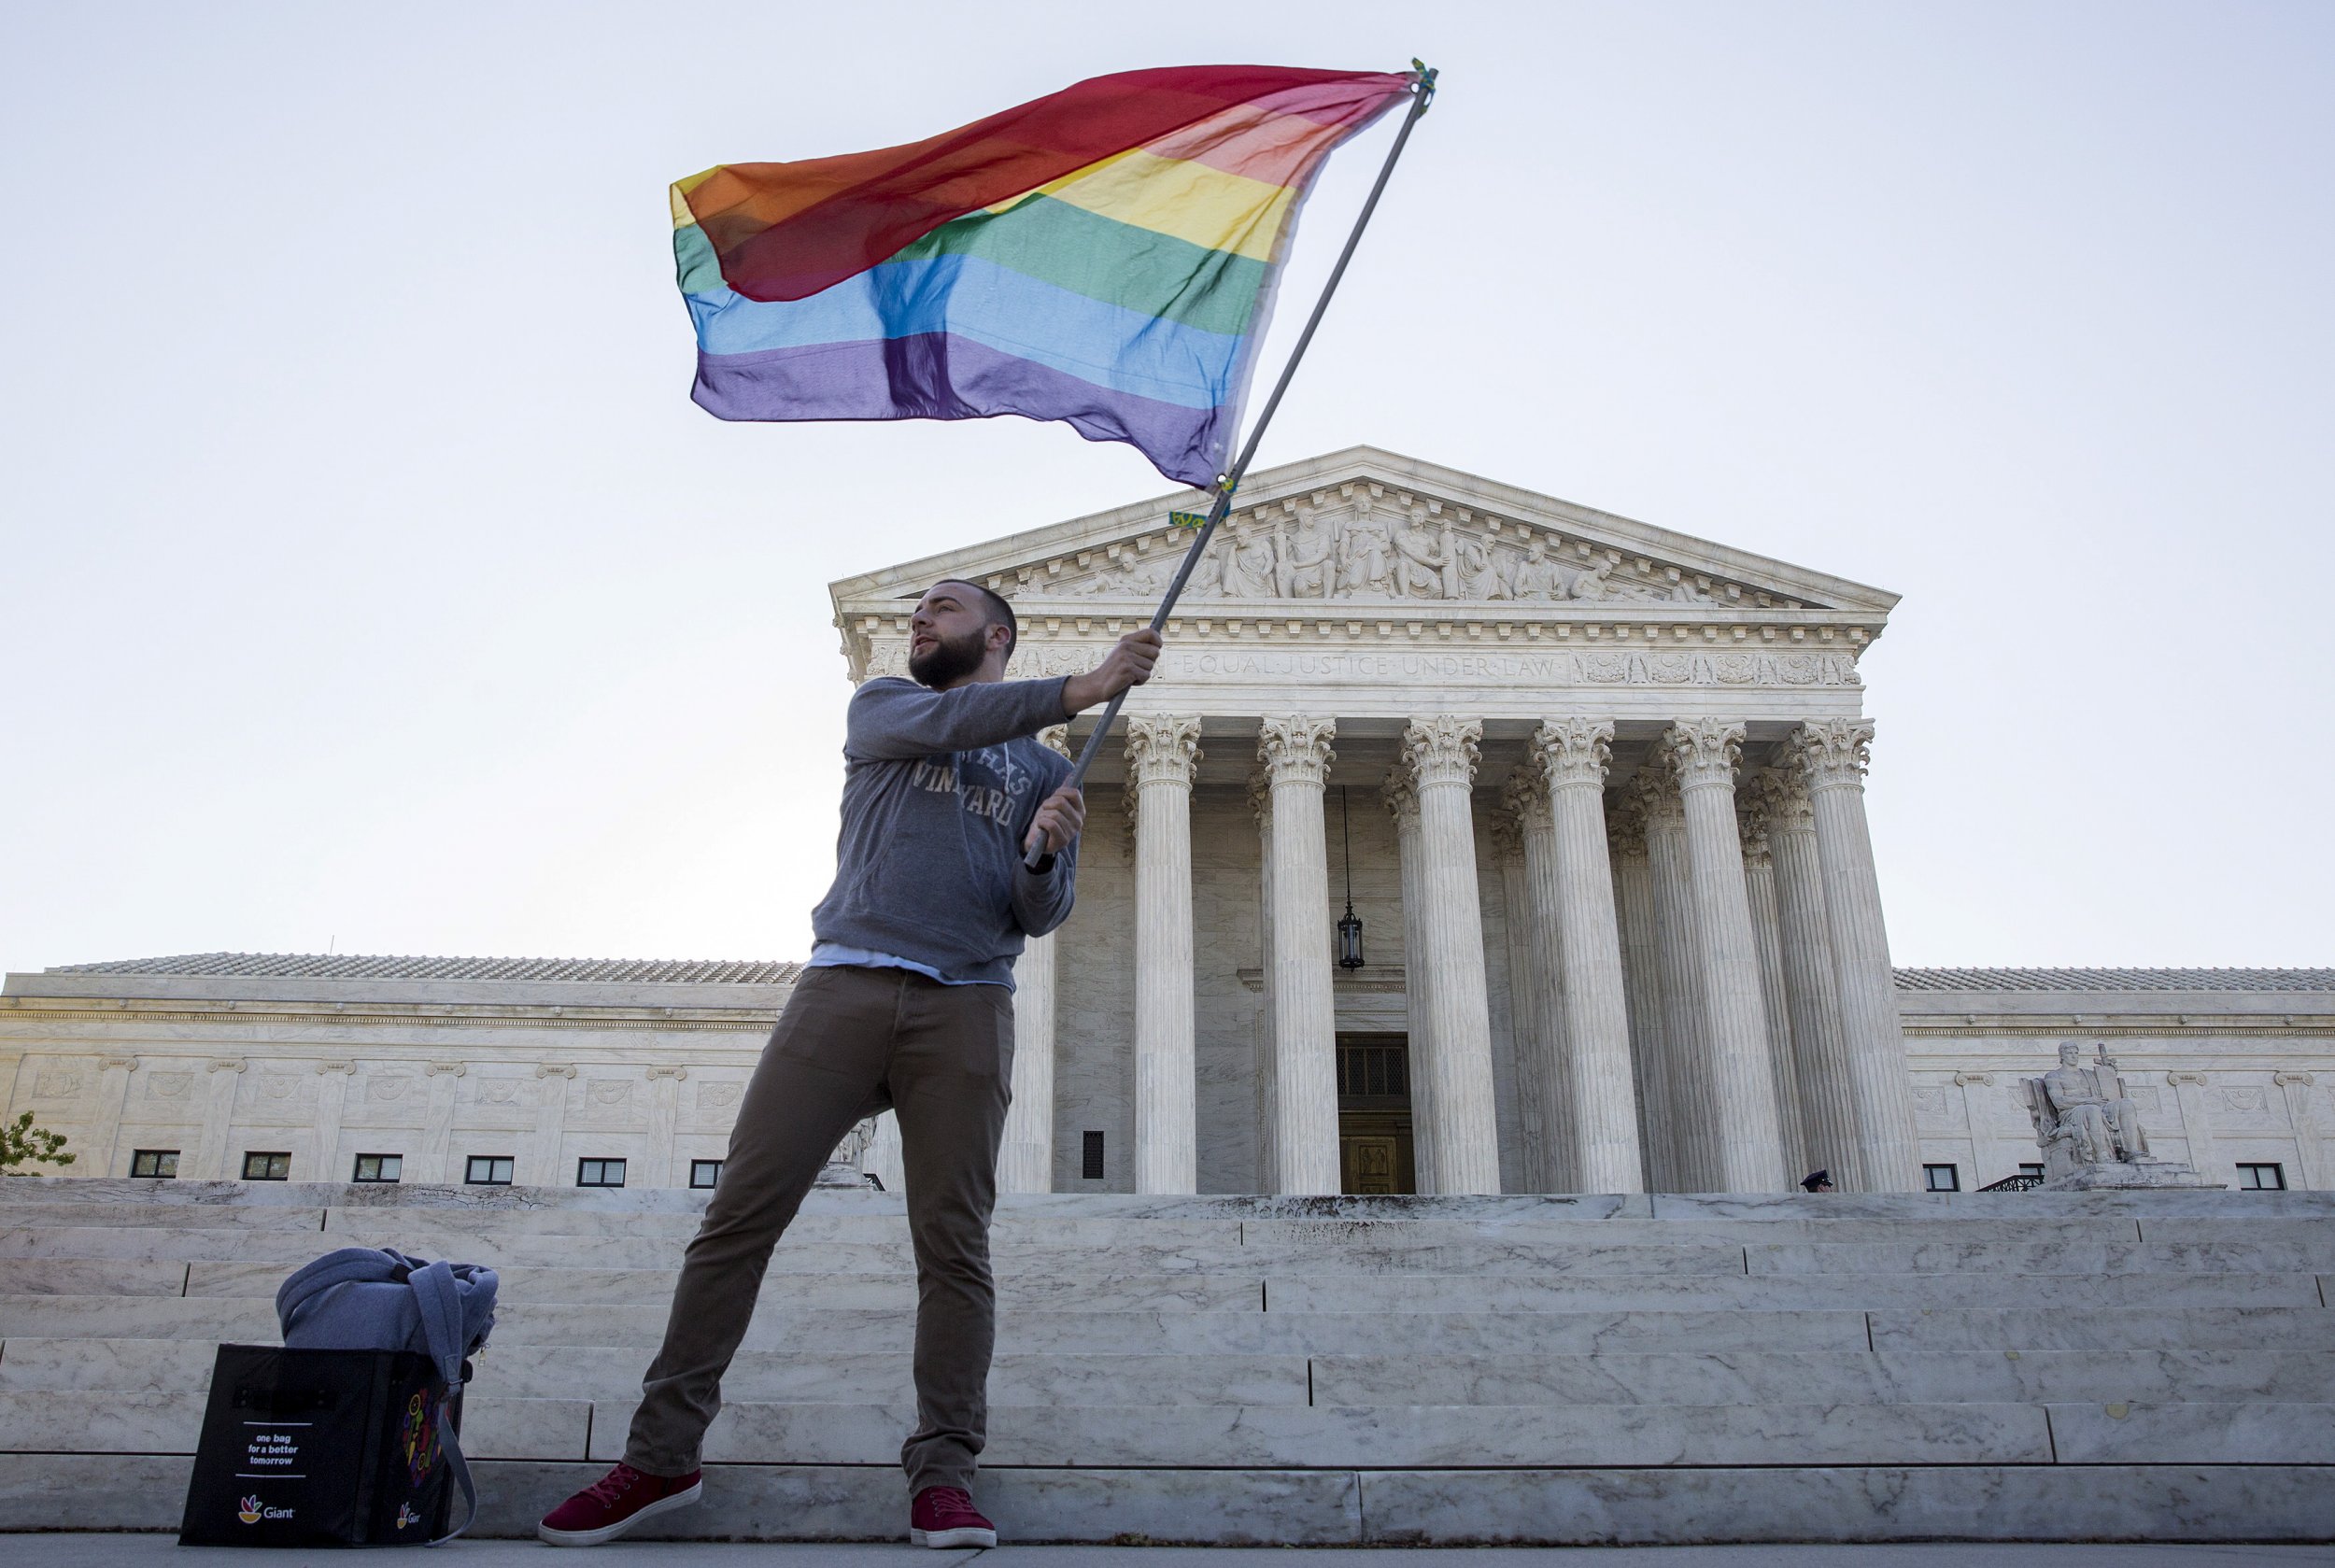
x=1599 y=790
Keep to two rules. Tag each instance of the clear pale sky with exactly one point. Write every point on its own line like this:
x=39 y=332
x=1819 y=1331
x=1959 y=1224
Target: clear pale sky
x=370 y=582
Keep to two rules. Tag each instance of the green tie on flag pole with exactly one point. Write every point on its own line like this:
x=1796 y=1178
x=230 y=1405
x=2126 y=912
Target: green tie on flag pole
x=1228 y=483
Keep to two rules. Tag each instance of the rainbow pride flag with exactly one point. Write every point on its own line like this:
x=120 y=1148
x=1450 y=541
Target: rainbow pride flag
x=1105 y=255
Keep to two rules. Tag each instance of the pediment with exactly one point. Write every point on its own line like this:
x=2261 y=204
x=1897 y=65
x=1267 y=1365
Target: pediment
x=1373 y=532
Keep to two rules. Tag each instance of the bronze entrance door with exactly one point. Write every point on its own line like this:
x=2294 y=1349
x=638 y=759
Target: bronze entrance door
x=1374 y=1151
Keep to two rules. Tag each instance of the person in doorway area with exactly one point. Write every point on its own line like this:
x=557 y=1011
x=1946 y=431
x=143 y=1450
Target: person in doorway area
x=907 y=1003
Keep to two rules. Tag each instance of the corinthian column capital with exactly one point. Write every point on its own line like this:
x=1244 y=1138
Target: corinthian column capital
x=1525 y=797
x=1055 y=738
x=1703 y=752
x=1163 y=749
x=1573 y=751
x=1401 y=797
x=1625 y=826
x=1654 y=791
x=1443 y=750
x=1833 y=754
x=1507 y=835
x=1261 y=797
x=1295 y=748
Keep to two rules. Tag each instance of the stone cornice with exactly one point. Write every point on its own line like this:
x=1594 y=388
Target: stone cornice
x=1816 y=648
x=20 y=1016
x=1394 y=484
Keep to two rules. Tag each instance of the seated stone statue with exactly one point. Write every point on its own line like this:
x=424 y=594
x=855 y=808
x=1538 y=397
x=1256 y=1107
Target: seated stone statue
x=2086 y=1108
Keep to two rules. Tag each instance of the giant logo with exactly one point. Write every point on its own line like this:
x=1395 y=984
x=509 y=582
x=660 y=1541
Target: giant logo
x=418 y=1435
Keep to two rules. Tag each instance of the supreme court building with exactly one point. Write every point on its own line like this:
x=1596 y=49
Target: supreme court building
x=1591 y=792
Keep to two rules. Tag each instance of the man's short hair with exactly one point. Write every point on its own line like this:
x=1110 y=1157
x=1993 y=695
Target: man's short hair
x=996 y=608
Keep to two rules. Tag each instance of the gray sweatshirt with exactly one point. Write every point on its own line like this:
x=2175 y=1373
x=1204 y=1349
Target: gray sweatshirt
x=939 y=791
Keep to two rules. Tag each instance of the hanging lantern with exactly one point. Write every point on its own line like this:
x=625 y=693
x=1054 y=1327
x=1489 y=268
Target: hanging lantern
x=1350 y=928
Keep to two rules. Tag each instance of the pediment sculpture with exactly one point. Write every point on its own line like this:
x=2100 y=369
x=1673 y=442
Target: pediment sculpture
x=2089 y=1126
x=1361 y=554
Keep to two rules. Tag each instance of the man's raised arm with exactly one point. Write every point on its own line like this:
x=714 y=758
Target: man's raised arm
x=894 y=719
x=891 y=720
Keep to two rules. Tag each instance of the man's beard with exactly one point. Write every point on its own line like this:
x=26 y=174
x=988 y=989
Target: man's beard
x=947 y=661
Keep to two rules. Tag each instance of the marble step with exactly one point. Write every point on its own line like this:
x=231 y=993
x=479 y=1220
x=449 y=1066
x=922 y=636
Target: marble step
x=288 y=1250
x=1301 y=1437
x=1051 y=1209
x=113 y=1421
x=2209 y=1203
x=174 y=1217
x=1323 y=1436
x=635 y=1287
x=1782 y=1505
x=2133 y=1328
x=2234 y=1251
x=244 y=1319
x=1762 y=1376
x=93 y=1276
x=1428 y=1294
x=521 y=1371
x=1404 y=1293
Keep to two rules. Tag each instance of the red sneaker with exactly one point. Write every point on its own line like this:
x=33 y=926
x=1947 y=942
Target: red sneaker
x=618 y=1502
x=944 y=1516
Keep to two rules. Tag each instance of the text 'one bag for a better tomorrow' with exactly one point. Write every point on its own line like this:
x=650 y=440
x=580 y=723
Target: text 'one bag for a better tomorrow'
x=348 y=1434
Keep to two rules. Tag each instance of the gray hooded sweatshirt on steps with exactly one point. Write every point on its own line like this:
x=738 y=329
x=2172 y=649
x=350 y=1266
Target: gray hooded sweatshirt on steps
x=938 y=790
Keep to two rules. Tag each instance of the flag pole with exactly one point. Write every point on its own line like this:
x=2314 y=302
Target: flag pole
x=1422 y=95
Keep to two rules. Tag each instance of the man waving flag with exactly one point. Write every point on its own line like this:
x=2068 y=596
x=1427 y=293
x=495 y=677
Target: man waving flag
x=1105 y=257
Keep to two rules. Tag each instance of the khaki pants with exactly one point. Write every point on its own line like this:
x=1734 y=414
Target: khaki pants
x=854 y=1041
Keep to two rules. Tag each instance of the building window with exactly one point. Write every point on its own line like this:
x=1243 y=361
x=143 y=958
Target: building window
x=2266 y=1177
x=489 y=1170
x=600 y=1173
x=159 y=1163
x=2031 y=1168
x=261 y=1165
x=1942 y=1179
x=1091 y=1157
x=1373 y=1070
x=379 y=1167
x=705 y=1173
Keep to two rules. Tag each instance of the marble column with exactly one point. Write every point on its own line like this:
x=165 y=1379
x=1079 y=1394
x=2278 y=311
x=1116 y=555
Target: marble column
x=1692 y=1110
x=1828 y=1118
x=1767 y=938
x=1441 y=752
x=1402 y=802
x=1991 y=1158
x=1573 y=888
x=541 y=1164
x=1833 y=755
x=332 y=1110
x=2310 y=1158
x=113 y=1093
x=2196 y=1125
x=1750 y=1155
x=1641 y=967
x=1542 y=1112
x=214 y=1159
x=437 y=1128
x=1296 y=752
x=1268 y=1086
x=1162 y=754
x=664 y=1123
x=1025 y=1152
